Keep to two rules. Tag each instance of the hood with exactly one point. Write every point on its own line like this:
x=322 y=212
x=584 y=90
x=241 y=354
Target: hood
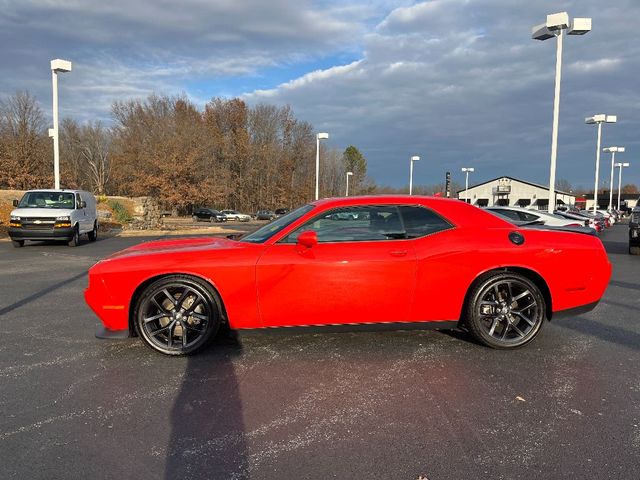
x=178 y=245
x=41 y=212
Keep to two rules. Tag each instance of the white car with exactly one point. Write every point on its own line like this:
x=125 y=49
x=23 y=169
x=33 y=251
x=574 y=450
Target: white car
x=235 y=215
x=526 y=215
x=54 y=215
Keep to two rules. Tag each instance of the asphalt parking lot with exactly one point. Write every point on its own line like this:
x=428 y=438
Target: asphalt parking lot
x=350 y=406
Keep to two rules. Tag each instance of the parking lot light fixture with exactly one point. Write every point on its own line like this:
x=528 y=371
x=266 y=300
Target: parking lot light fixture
x=555 y=26
x=57 y=66
x=598 y=119
x=467 y=170
x=320 y=136
x=414 y=158
x=613 y=151
x=620 y=166
x=348 y=175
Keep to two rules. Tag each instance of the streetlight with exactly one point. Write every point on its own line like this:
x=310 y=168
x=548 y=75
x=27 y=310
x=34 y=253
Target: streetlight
x=466 y=170
x=555 y=26
x=599 y=120
x=620 y=165
x=57 y=65
x=348 y=175
x=613 y=151
x=320 y=136
x=415 y=158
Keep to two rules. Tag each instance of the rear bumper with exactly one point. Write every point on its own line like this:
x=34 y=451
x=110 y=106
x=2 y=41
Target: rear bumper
x=44 y=234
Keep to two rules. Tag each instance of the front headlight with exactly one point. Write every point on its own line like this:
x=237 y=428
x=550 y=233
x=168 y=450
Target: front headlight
x=15 y=218
x=63 y=219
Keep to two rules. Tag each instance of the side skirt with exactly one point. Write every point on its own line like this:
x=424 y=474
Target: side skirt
x=353 y=327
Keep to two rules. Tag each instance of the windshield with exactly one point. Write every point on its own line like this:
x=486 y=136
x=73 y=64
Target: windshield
x=270 y=229
x=47 y=200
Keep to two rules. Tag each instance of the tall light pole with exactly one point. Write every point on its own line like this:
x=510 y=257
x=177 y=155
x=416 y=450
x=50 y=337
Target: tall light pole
x=466 y=170
x=320 y=136
x=57 y=65
x=613 y=151
x=555 y=26
x=415 y=158
x=348 y=175
x=599 y=119
x=620 y=165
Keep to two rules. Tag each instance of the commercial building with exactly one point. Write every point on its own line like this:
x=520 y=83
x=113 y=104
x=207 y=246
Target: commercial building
x=509 y=191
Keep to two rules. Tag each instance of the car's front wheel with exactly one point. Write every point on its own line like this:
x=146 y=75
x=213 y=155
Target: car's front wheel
x=93 y=234
x=634 y=250
x=18 y=243
x=177 y=315
x=505 y=310
x=75 y=240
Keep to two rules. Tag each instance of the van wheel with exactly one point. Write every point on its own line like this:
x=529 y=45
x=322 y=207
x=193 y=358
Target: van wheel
x=18 y=243
x=75 y=241
x=93 y=234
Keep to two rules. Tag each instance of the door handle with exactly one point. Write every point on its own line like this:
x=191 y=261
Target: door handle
x=398 y=253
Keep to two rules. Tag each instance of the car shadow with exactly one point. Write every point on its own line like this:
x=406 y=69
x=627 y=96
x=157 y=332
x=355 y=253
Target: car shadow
x=207 y=429
x=608 y=333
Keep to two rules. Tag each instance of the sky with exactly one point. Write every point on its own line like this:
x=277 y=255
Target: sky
x=458 y=82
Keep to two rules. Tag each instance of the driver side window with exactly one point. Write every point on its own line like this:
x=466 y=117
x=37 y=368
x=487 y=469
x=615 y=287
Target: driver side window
x=354 y=224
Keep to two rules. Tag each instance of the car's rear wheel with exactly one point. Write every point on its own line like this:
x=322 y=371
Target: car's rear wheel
x=93 y=234
x=634 y=250
x=505 y=310
x=75 y=240
x=177 y=315
x=194 y=218
x=18 y=243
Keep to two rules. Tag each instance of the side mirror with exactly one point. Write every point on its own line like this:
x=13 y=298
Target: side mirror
x=15 y=202
x=83 y=204
x=308 y=239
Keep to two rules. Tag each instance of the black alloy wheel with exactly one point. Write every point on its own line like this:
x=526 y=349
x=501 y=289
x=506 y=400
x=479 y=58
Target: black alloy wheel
x=505 y=310
x=177 y=315
x=93 y=234
x=75 y=240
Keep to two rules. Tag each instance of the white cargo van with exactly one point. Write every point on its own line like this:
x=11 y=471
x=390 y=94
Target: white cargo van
x=54 y=215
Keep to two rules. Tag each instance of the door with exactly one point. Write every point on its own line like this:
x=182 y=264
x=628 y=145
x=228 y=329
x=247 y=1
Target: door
x=362 y=270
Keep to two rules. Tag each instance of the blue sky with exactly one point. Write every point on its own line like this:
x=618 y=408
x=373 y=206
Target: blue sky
x=458 y=82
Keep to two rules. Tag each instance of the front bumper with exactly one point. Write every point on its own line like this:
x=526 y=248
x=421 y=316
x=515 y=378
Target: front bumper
x=41 y=234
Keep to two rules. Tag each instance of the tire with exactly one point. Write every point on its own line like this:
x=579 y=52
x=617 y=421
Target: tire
x=634 y=250
x=75 y=240
x=18 y=243
x=93 y=234
x=194 y=218
x=505 y=310
x=212 y=219
x=171 y=306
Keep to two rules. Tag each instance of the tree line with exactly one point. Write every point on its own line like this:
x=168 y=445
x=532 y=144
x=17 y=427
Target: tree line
x=227 y=155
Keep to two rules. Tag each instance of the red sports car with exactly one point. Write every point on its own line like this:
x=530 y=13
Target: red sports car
x=380 y=261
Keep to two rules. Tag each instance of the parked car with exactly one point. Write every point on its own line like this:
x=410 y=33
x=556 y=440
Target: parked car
x=634 y=231
x=416 y=262
x=235 y=215
x=587 y=221
x=281 y=211
x=208 y=215
x=54 y=215
x=525 y=215
x=265 y=215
